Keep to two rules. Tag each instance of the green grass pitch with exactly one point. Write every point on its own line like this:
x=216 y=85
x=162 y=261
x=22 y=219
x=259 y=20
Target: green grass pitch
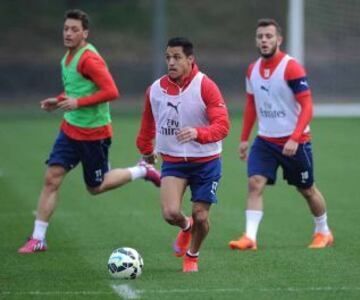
x=85 y=229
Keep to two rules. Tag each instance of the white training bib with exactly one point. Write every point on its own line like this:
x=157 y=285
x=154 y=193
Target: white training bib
x=171 y=113
x=276 y=106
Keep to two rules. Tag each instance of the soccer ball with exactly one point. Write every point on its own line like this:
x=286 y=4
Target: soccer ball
x=125 y=263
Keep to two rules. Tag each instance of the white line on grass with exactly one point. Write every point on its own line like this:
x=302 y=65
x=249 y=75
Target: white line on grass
x=125 y=291
x=50 y=293
x=72 y=214
x=240 y=290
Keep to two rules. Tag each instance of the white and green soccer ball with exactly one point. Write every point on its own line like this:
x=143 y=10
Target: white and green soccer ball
x=125 y=263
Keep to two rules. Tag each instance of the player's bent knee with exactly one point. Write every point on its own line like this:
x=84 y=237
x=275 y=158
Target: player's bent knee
x=53 y=177
x=171 y=217
x=200 y=217
x=52 y=182
x=256 y=184
x=94 y=190
x=308 y=192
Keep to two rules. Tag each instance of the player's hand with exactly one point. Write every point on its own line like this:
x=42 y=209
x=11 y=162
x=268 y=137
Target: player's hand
x=150 y=158
x=68 y=104
x=243 y=148
x=49 y=104
x=186 y=134
x=290 y=148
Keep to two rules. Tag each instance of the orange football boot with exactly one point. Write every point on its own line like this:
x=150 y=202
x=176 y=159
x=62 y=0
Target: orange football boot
x=190 y=264
x=322 y=240
x=183 y=240
x=243 y=243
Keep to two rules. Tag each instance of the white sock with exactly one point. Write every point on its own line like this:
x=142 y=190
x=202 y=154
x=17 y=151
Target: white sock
x=321 y=224
x=188 y=225
x=137 y=172
x=253 y=219
x=189 y=253
x=40 y=228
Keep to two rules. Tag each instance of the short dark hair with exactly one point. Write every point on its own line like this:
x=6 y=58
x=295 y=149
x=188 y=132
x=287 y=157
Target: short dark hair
x=186 y=45
x=268 y=22
x=80 y=15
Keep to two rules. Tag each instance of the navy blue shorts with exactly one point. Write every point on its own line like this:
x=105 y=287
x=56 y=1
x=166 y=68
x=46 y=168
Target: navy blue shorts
x=203 y=178
x=265 y=158
x=93 y=156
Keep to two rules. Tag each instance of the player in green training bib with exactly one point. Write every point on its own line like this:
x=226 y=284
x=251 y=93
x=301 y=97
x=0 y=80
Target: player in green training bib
x=85 y=132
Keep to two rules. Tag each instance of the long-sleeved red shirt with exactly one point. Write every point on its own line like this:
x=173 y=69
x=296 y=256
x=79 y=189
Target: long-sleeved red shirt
x=293 y=71
x=93 y=67
x=215 y=109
